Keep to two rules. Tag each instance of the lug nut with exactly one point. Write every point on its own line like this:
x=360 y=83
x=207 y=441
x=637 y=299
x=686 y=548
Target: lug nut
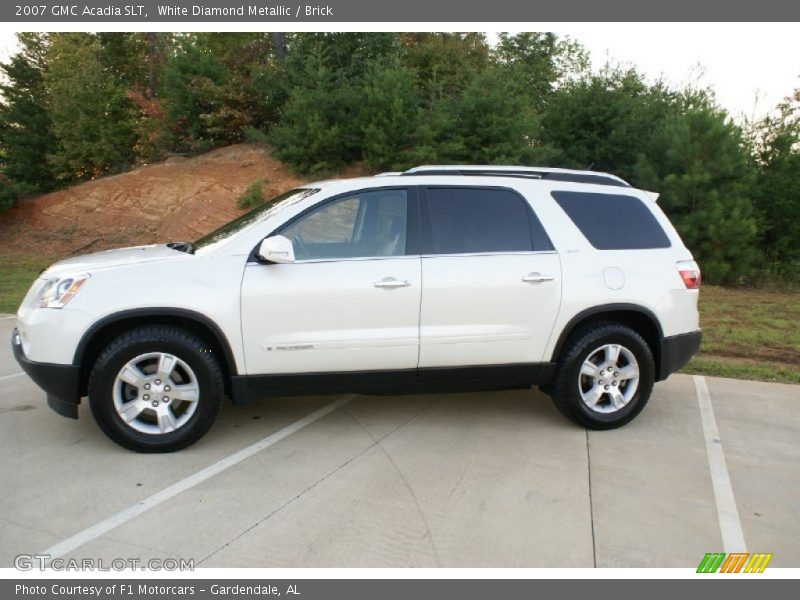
x=147 y=386
x=606 y=387
x=616 y=374
x=166 y=388
x=147 y=396
x=155 y=402
x=613 y=383
x=158 y=382
x=166 y=398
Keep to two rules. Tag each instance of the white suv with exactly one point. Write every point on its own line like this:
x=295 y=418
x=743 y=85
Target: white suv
x=435 y=279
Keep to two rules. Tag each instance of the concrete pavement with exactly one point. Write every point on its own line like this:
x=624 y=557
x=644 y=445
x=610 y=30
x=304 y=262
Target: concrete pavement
x=475 y=480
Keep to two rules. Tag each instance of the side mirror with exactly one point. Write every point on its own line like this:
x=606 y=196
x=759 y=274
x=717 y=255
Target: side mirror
x=276 y=249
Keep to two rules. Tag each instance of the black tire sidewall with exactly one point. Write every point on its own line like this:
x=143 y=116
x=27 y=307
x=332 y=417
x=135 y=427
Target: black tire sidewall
x=174 y=342
x=588 y=344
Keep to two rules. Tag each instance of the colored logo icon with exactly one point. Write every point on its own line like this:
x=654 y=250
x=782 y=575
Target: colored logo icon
x=735 y=562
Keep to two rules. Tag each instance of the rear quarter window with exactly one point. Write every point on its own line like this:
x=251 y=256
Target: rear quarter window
x=613 y=221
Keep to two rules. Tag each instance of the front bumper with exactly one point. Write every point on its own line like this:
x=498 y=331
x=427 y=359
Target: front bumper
x=676 y=351
x=60 y=382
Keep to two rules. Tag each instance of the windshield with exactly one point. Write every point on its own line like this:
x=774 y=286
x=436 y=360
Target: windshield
x=257 y=215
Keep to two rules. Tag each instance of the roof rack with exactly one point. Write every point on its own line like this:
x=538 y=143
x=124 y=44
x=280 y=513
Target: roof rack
x=521 y=172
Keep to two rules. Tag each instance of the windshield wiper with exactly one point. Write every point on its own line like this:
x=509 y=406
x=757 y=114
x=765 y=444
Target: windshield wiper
x=187 y=247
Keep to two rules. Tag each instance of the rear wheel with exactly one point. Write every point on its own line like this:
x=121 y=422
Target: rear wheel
x=604 y=377
x=156 y=389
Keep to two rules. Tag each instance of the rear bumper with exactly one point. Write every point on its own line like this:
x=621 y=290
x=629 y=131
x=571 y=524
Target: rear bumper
x=60 y=382
x=676 y=351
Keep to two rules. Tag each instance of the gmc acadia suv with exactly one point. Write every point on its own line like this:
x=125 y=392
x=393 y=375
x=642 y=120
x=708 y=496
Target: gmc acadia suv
x=448 y=278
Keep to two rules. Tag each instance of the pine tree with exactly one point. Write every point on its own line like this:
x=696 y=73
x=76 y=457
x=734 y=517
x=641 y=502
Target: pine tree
x=699 y=164
x=25 y=136
x=603 y=121
x=390 y=119
x=538 y=61
x=777 y=188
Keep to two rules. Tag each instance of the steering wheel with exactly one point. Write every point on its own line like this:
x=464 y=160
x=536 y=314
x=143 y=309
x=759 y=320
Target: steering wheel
x=300 y=246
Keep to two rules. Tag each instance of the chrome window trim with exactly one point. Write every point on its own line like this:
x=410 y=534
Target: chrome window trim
x=411 y=256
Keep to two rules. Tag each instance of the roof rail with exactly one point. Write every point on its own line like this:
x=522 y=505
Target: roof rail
x=521 y=172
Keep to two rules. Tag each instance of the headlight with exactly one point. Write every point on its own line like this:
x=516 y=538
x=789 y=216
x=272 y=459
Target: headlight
x=60 y=290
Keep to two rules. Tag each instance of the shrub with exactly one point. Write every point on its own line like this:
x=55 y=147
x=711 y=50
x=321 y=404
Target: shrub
x=11 y=192
x=253 y=195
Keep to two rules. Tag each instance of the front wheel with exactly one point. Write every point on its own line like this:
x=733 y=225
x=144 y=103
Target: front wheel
x=604 y=377
x=156 y=389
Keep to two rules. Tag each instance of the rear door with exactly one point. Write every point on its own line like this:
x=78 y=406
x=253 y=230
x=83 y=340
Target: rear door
x=491 y=279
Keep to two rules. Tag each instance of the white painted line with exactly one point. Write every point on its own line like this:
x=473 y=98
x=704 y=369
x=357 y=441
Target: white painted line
x=7 y=318
x=125 y=515
x=12 y=376
x=729 y=524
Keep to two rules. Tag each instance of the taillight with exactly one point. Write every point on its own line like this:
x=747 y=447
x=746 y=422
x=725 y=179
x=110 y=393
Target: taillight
x=690 y=273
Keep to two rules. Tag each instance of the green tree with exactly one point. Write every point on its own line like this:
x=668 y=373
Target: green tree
x=538 y=61
x=391 y=118
x=319 y=129
x=444 y=63
x=193 y=79
x=251 y=69
x=777 y=188
x=327 y=79
x=698 y=161
x=25 y=135
x=219 y=85
x=492 y=125
x=136 y=61
x=604 y=121
x=348 y=55
x=92 y=118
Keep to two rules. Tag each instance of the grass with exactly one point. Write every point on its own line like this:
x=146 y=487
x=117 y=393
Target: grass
x=747 y=334
x=742 y=370
x=17 y=273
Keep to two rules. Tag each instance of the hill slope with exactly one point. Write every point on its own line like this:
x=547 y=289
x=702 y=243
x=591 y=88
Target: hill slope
x=178 y=199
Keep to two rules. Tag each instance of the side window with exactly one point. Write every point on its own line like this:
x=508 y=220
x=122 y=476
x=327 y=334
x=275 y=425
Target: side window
x=467 y=220
x=613 y=221
x=366 y=224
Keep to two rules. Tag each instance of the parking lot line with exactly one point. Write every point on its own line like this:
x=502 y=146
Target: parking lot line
x=12 y=376
x=114 y=521
x=729 y=524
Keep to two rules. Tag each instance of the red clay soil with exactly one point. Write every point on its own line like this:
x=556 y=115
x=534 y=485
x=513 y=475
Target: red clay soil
x=178 y=199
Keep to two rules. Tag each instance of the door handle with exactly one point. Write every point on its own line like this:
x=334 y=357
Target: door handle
x=537 y=278
x=391 y=282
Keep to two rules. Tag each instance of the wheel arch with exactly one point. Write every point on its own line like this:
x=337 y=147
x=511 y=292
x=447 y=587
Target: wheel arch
x=639 y=318
x=103 y=331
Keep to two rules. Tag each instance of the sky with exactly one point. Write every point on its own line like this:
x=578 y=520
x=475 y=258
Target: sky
x=750 y=66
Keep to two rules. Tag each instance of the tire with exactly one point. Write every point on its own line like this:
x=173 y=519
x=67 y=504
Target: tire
x=156 y=388
x=586 y=391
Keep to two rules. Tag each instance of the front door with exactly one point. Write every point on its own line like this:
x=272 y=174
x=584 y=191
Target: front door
x=351 y=300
